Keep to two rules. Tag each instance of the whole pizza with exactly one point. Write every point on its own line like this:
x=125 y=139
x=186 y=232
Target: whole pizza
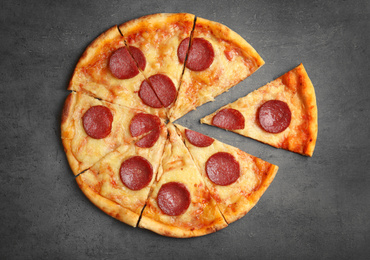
x=135 y=164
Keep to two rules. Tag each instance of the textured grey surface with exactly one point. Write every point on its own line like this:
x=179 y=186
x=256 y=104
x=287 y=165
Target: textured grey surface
x=316 y=207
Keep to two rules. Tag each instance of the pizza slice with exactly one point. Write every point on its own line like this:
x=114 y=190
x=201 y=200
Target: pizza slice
x=106 y=70
x=180 y=205
x=119 y=183
x=282 y=113
x=92 y=128
x=157 y=37
x=218 y=59
x=236 y=180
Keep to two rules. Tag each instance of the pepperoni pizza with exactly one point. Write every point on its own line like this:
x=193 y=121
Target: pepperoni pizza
x=282 y=113
x=134 y=167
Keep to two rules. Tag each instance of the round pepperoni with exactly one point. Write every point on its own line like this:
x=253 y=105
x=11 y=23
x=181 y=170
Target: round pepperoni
x=143 y=123
x=229 y=118
x=138 y=56
x=122 y=65
x=148 y=96
x=198 y=139
x=274 y=116
x=222 y=169
x=163 y=88
x=136 y=173
x=173 y=198
x=200 y=56
x=149 y=140
x=97 y=122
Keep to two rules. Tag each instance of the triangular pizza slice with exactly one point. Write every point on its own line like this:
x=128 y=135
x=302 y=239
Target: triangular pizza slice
x=106 y=70
x=153 y=41
x=218 y=59
x=92 y=128
x=282 y=113
x=236 y=180
x=180 y=204
x=119 y=183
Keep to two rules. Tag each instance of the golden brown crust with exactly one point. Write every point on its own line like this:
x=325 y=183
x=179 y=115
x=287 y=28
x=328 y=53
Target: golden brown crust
x=309 y=99
x=164 y=229
x=109 y=207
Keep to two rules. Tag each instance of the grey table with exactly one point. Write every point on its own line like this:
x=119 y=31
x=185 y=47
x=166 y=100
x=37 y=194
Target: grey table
x=316 y=207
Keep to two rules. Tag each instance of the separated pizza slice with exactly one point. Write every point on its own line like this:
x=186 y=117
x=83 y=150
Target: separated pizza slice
x=282 y=113
x=218 y=59
x=236 y=180
x=92 y=128
x=180 y=205
x=119 y=183
x=106 y=70
x=157 y=38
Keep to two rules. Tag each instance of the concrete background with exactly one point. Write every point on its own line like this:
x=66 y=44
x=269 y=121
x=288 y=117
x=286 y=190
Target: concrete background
x=316 y=208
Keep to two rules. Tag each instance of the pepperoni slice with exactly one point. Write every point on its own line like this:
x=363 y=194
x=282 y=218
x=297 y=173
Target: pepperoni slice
x=149 y=140
x=198 y=139
x=97 y=122
x=229 y=118
x=122 y=65
x=200 y=56
x=143 y=123
x=183 y=49
x=163 y=88
x=222 y=169
x=148 y=96
x=173 y=198
x=138 y=56
x=136 y=173
x=274 y=116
